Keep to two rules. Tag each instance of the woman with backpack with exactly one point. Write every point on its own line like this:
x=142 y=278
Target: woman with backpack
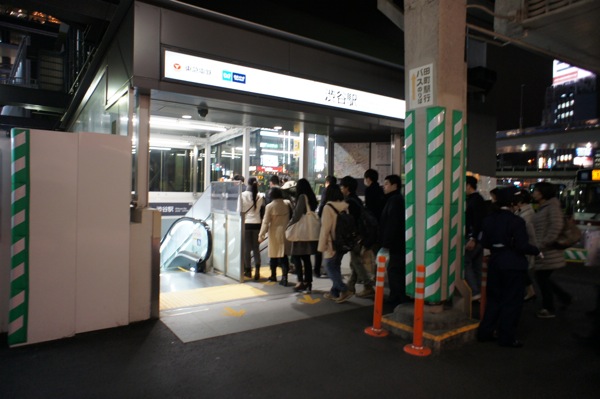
x=253 y=204
x=301 y=251
x=335 y=205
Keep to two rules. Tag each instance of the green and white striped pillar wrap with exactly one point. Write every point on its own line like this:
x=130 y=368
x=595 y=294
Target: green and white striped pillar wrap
x=19 y=273
x=455 y=187
x=434 y=208
x=409 y=197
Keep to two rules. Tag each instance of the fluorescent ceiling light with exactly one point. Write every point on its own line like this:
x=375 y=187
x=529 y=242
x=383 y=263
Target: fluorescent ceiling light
x=278 y=151
x=183 y=124
x=269 y=134
x=158 y=142
x=186 y=116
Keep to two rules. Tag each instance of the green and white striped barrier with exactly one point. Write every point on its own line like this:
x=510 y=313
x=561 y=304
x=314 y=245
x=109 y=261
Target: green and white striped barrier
x=455 y=187
x=409 y=197
x=434 y=208
x=19 y=273
x=575 y=255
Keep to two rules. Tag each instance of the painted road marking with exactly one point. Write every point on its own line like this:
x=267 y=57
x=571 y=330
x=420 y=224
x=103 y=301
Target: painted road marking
x=310 y=300
x=234 y=313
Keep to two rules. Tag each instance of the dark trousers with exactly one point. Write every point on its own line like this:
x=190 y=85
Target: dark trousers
x=396 y=271
x=318 y=263
x=283 y=262
x=304 y=273
x=251 y=248
x=504 y=304
x=549 y=288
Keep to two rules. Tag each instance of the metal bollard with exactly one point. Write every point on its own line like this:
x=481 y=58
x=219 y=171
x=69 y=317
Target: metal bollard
x=417 y=348
x=376 y=330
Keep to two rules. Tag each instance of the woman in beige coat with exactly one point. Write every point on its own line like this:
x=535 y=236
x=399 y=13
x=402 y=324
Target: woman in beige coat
x=275 y=221
x=548 y=222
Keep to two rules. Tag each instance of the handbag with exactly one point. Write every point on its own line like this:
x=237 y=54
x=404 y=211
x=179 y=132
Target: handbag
x=569 y=235
x=307 y=228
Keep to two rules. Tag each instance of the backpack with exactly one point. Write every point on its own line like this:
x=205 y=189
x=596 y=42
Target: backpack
x=368 y=226
x=569 y=235
x=346 y=232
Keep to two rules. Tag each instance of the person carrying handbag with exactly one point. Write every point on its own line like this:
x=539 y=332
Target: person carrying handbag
x=303 y=247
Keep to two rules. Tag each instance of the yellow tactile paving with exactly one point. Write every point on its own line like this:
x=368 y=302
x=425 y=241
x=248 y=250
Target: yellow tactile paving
x=201 y=296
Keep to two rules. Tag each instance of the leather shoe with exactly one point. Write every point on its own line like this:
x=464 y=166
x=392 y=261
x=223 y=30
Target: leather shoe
x=299 y=287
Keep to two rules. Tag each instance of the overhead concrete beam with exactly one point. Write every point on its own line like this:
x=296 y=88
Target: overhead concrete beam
x=34 y=99
x=390 y=10
x=46 y=123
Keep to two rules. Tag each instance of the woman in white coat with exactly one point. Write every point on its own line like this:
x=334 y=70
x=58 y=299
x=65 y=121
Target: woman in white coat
x=275 y=221
x=252 y=203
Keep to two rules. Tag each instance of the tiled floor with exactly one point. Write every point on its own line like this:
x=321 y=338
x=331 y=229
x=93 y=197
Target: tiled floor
x=210 y=305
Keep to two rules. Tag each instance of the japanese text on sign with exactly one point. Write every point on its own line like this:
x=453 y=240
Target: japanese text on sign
x=340 y=97
x=421 y=86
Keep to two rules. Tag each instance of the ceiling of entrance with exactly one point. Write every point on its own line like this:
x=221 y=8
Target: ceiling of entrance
x=285 y=115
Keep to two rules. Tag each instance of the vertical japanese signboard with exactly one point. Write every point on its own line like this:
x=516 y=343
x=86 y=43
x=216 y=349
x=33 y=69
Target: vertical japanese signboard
x=421 y=86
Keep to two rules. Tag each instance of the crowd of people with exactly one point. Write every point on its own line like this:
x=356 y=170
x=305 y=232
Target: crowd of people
x=268 y=216
x=520 y=244
x=523 y=249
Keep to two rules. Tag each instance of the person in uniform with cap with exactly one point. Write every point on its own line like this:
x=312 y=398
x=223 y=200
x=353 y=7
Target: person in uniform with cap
x=505 y=235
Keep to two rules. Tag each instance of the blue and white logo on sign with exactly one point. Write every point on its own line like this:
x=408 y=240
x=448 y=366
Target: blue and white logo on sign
x=234 y=77
x=239 y=78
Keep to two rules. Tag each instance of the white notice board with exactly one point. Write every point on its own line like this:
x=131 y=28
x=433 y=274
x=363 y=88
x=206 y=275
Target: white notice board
x=421 y=85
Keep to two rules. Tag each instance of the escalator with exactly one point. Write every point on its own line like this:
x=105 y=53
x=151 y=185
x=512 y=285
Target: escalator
x=187 y=244
x=212 y=229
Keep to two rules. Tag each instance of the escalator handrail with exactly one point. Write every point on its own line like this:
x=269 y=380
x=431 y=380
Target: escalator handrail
x=206 y=227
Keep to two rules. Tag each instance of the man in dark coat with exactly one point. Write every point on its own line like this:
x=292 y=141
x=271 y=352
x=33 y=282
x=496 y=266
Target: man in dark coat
x=374 y=202
x=392 y=239
x=473 y=259
x=505 y=235
x=374 y=196
x=348 y=186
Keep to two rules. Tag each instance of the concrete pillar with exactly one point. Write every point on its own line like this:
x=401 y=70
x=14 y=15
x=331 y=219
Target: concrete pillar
x=436 y=83
x=142 y=169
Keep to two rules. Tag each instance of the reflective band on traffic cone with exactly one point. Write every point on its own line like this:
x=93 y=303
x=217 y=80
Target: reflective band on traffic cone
x=376 y=330
x=417 y=348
